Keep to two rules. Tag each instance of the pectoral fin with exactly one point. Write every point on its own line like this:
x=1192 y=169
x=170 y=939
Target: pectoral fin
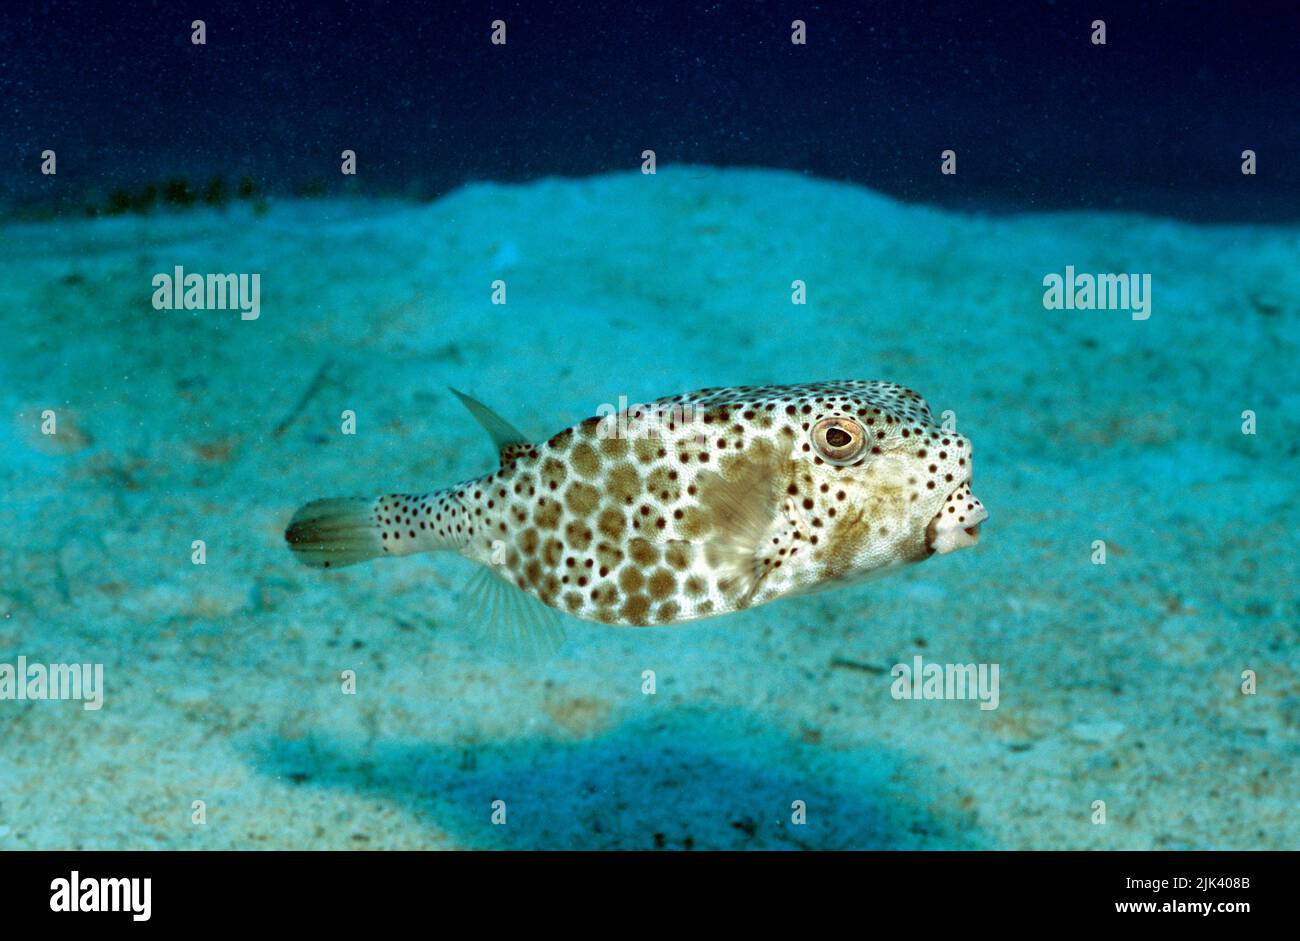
x=753 y=528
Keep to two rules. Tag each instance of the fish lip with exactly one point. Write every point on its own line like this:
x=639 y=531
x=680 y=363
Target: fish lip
x=943 y=541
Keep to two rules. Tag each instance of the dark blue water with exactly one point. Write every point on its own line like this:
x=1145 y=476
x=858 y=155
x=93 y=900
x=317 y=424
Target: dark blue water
x=1039 y=116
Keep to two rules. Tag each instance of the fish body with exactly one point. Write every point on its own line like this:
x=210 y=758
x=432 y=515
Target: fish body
x=687 y=507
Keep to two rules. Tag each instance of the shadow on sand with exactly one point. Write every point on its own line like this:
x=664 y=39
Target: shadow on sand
x=692 y=780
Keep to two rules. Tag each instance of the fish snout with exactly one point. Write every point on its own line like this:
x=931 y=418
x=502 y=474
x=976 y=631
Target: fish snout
x=957 y=524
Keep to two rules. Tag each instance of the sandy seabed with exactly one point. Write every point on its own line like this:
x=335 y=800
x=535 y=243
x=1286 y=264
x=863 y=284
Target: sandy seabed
x=1119 y=682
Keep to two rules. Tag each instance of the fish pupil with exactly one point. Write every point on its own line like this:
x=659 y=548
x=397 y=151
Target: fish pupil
x=838 y=437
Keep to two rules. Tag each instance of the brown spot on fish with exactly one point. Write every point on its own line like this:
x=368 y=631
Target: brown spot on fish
x=585 y=460
x=582 y=498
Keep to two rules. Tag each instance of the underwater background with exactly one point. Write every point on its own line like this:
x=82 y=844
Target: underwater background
x=1172 y=440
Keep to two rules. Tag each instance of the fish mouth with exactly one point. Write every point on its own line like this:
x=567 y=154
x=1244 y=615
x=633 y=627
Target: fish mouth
x=957 y=524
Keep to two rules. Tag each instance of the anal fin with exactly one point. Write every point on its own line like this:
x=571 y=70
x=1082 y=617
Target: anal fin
x=508 y=622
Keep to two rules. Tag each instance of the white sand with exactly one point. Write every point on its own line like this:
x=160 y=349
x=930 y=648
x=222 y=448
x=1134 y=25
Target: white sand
x=1119 y=682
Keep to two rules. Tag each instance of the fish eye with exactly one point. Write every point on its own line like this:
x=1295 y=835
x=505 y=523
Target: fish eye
x=839 y=440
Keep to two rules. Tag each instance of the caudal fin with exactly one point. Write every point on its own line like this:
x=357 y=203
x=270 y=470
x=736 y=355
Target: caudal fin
x=328 y=534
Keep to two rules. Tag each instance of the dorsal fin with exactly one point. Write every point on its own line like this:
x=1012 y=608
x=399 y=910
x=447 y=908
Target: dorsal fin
x=509 y=440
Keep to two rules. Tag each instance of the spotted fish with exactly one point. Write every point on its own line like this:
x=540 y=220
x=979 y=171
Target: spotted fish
x=687 y=507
